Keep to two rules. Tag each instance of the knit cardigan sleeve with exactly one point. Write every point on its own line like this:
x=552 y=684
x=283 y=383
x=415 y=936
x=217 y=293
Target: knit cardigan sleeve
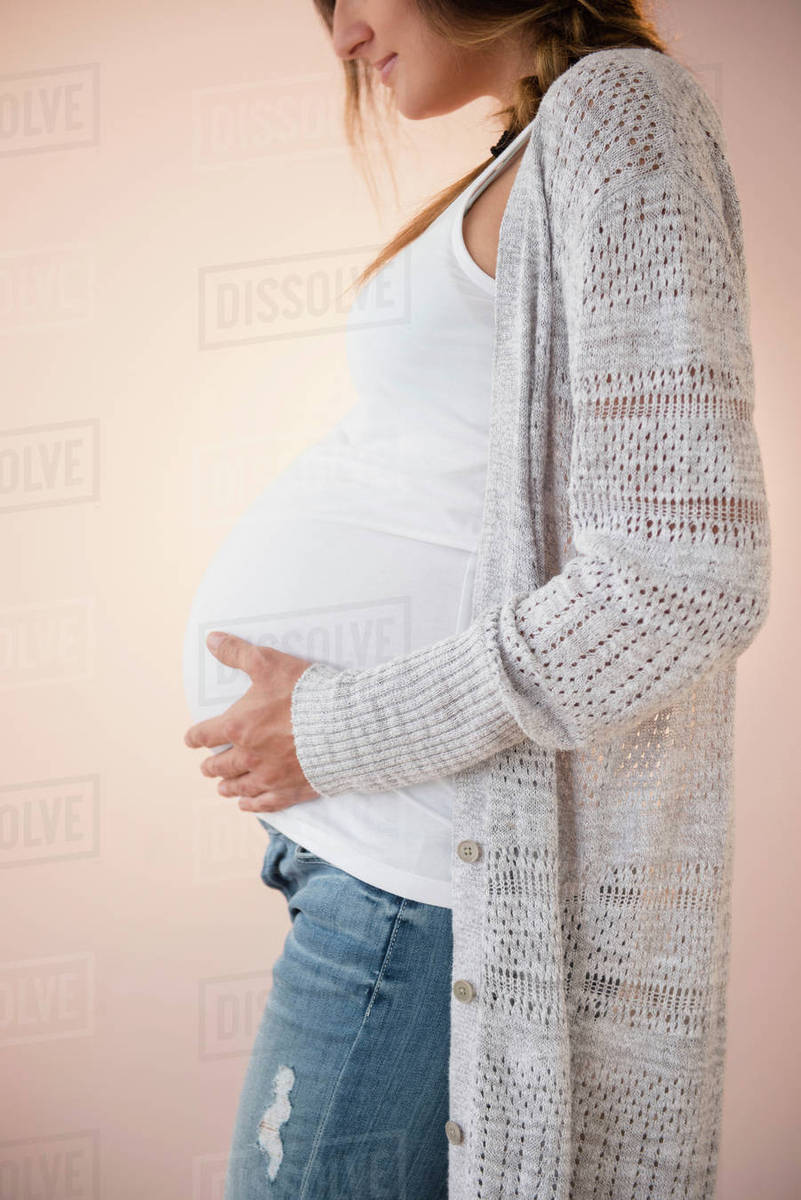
x=670 y=575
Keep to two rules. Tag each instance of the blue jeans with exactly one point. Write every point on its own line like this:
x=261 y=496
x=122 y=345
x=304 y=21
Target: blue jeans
x=346 y=1092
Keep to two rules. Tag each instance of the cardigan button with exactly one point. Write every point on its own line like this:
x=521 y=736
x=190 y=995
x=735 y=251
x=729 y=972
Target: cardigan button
x=468 y=850
x=463 y=990
x=453 y=1132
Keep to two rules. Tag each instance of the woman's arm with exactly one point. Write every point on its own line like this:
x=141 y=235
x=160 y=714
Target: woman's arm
x=670 y=579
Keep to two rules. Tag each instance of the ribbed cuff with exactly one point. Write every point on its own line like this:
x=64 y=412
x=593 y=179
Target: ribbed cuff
x=419 y=716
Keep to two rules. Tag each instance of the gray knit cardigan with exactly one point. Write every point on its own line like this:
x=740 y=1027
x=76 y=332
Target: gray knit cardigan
x=587 y=713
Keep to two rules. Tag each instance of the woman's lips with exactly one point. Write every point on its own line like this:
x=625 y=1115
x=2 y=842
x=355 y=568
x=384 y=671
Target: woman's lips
x=387 y=67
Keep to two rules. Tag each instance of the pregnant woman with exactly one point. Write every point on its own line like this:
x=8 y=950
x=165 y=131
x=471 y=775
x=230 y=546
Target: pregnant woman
x=476 y=656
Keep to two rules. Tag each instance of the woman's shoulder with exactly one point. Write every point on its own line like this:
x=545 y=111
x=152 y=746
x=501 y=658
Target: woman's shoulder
x=623 y=116
x=626 y=83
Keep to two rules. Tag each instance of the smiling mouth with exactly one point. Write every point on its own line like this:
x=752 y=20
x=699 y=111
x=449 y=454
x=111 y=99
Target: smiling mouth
x=387 y=66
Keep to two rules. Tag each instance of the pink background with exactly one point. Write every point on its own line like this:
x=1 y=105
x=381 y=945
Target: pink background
x=144 y=149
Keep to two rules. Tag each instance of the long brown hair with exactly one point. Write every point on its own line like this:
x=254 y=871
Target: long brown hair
x=557 y=33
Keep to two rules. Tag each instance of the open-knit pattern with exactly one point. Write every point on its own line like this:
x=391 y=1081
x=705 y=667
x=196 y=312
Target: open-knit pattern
x=587 y=712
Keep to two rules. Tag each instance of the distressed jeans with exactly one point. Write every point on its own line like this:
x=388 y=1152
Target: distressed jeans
x=346 y=1093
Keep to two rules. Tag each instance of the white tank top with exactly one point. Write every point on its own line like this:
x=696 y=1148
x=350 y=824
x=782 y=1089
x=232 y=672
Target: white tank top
x=364 y=548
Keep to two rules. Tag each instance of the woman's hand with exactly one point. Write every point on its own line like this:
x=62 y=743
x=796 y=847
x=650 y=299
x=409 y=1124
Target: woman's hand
x=261 y=766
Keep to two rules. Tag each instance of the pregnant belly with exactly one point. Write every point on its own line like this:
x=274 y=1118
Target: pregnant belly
x=320 y=589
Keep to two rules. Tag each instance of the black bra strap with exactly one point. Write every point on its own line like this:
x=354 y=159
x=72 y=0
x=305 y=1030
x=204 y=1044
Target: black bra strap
x=506 y=137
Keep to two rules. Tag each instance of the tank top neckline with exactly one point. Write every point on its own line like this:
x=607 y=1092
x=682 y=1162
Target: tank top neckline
x=462 y=203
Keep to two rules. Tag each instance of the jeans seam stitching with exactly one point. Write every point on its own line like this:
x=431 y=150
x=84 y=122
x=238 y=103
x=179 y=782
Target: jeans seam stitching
x=387 y=957
x=324 y=1118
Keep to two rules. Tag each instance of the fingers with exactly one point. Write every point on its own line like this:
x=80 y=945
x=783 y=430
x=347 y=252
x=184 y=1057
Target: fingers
x=226 y=764
x=207 y=733
x=265 y=802
x=237 y=786
x=232 y=650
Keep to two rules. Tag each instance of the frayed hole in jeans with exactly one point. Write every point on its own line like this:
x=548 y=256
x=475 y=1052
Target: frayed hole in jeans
x=274 y=1117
